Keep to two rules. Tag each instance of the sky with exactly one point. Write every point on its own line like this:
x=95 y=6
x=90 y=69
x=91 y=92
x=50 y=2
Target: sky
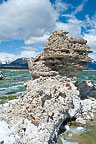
x=25 y=25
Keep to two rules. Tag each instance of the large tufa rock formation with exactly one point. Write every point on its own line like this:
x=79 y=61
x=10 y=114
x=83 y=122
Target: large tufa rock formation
x=62 y=56
x=51 y=99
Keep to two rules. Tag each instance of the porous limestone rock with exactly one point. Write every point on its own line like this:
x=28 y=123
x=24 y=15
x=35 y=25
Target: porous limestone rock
x=47 y=104
x=62 y=55
x=52 y=96
x=38 y=114
x=87 y=89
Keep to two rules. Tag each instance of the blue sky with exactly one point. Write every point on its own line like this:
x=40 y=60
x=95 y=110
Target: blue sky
x=26 y=25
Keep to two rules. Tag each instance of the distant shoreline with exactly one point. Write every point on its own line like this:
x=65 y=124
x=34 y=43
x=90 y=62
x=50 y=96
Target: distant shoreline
x=89 y=70
x=4 y=69
x=24 y=69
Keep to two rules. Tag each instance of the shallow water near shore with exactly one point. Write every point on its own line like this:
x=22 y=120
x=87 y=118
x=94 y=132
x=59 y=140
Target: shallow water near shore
x=13 y=83
x=87 y=75
x=77 y=136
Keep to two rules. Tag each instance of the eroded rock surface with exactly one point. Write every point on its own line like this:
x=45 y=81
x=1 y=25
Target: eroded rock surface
x=62 y=55
x=52 y=95
x=87 y=89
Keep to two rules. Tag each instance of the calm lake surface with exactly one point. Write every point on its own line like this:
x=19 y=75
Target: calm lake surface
x=13 y=85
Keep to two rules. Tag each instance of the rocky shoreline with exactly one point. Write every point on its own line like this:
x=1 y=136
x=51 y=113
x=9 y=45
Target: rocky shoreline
x=24 y=127
x=53 y=96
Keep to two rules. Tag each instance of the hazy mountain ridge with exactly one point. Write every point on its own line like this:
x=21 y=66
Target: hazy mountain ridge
x=20 y=61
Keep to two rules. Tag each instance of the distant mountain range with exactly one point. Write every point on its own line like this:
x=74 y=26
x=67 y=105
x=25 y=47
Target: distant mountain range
x=21 y=63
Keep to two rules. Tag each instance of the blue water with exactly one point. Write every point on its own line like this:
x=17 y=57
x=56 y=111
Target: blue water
x=87 y=75
x=13 y=83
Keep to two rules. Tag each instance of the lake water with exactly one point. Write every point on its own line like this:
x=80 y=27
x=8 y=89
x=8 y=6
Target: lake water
x=80 y=135
x=13 y=85
x=88 y=75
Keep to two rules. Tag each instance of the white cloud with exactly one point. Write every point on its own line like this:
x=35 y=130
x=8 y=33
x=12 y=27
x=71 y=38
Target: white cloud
x=75 y=21
x=21 y=19
x=91 y=22
x=80 y=7
x=37 y=40
x=8 y=57
x=93 y=56
x=91 y=40
x=88 y=21
x=90 y=36
x=74 y=29
x=28 y=48
x=28 y=53
x=61 y=6
x=34 y=20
